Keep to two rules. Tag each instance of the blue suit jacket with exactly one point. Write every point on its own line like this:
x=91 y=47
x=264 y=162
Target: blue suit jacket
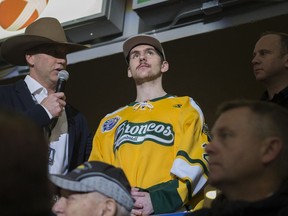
x=17 y=97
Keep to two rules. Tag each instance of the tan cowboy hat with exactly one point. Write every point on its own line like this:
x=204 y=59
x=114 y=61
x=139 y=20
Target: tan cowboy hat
x=46 y=30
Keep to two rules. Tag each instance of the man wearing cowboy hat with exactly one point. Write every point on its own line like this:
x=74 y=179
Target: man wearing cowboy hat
x=44 y=47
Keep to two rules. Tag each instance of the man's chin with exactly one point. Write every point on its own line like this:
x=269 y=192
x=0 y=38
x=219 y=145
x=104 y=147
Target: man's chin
x=259 y=77
x=214 y=181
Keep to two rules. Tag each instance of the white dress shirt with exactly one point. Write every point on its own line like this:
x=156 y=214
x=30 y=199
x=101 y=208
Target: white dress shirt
x=58 y=147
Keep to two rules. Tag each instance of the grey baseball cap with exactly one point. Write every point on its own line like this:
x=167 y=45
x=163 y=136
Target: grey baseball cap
x=133 y=41
x=96 y=176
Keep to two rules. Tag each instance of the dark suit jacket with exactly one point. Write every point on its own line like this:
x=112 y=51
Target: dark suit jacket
x=17 y=97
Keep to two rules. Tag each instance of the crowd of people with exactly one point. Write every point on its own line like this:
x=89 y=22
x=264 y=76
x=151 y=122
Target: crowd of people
x=154 y=155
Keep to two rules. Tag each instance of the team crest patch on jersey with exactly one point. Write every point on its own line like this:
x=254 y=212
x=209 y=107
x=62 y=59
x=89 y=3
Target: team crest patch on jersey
x=109 y=124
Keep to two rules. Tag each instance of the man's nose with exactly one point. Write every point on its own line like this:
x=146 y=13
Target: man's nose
x=142 y=57
x=59 y=207
x=61 y=60
x=255 y=59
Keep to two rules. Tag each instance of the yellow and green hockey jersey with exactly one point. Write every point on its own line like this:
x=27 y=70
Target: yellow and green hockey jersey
x=160 y=145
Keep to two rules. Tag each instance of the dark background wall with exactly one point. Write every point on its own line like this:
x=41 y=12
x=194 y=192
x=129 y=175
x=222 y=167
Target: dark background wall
x=211 y=67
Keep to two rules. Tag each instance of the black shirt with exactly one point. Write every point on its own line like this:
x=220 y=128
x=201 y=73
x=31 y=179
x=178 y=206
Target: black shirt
x=281 y=98
x=275 y=205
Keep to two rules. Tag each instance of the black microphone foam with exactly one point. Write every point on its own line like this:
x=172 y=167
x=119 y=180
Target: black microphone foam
x=63 y=76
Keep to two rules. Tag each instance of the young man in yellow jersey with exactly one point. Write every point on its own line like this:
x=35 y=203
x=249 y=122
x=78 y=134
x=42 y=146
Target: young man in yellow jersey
x=158 y=140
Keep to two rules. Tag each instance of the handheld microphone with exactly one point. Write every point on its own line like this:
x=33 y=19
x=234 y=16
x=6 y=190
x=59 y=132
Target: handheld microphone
x=63 y=76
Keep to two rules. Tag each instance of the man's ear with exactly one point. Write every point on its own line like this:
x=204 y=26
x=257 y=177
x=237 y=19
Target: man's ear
x=271 y=149
x=164 y=66
x=110 y=207
x=29 y=59
x=129 y=72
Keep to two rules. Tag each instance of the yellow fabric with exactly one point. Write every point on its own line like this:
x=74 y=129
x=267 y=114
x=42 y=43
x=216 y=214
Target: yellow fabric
x=155 y=142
